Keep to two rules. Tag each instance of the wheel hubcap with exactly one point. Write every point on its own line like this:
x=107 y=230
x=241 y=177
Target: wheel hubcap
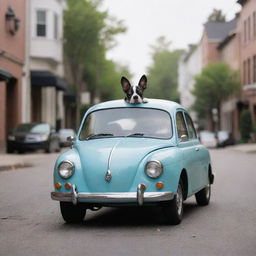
x=179 y=200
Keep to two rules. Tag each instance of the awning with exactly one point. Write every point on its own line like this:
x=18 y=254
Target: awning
x=47 y=79
x=5 y=75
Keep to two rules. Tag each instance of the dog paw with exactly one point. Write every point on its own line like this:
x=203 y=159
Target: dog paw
x=145 y=101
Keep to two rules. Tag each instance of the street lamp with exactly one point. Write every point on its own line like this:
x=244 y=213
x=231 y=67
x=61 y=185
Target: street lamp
x=12 y=22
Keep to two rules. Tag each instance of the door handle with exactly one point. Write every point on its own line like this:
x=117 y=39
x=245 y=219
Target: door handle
x=197 y=149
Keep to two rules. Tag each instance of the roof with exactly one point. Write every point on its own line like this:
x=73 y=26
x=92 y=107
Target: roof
x=220 y=30
x=152 y=103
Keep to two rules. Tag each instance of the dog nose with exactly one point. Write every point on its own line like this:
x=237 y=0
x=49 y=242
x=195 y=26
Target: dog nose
x=135 y=97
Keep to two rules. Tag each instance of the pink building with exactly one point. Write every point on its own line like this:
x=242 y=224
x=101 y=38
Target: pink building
x=247 y=28
x=12 y=55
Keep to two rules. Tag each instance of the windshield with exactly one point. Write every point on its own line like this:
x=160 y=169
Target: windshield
x=35 y=128
x=132 y=122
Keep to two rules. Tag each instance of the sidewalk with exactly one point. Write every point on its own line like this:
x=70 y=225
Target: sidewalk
x=245 y=148
x=15 y=161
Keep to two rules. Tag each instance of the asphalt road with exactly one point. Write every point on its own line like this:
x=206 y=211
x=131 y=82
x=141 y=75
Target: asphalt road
x=31 y=224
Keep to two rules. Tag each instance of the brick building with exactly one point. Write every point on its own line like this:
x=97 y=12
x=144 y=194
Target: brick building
x=247 y=28
x=12 y=56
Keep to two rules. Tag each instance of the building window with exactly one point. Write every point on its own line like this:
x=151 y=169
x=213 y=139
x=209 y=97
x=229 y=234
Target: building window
x=249 y=28
x=244 y=72
x=254 y=25
x=249 y=71
x=41 y=23
x=245 y=30
x=254 y=69
x=56 y=26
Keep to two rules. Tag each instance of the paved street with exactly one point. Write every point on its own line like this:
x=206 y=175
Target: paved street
x=31 y=224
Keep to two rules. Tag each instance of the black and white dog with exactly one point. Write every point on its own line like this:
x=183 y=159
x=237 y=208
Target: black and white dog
x=134 y=94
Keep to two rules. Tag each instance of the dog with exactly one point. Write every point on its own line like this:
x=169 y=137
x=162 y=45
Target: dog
x=134 y=94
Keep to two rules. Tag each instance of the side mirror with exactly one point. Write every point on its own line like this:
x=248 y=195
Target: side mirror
x=71 y=140
x=183 y=138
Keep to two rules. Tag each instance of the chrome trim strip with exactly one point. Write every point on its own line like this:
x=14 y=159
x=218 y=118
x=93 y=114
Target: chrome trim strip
x=126 y=197
x=140 y=193
x=74 y=195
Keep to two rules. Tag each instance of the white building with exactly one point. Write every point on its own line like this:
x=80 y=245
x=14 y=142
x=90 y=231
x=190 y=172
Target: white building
x=45 y=63
x=190 y=65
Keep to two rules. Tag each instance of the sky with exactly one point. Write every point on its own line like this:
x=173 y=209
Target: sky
x=180 y=21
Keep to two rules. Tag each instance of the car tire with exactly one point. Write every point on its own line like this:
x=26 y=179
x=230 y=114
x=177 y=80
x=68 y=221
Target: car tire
x=173 y=210
x=9 y=150
x=203 y=196
x=72 y=213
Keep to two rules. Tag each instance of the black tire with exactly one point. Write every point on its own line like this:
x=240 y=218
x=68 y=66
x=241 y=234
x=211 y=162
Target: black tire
x=72 y=213
x=173 y=210
x=203 y=196
x=9 y=150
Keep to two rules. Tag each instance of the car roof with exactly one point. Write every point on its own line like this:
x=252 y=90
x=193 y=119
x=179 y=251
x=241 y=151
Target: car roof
x=167 y=105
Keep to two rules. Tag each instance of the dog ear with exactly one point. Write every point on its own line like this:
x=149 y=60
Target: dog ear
x=143 y=82
x=125 y=84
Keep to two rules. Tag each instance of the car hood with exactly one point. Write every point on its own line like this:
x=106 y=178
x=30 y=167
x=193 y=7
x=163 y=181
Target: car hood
x=121 y=156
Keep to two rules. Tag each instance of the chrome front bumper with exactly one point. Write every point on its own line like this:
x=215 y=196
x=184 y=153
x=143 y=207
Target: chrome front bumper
x=138 y=197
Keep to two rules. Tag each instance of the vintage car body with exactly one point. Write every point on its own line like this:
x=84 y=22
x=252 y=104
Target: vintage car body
x=111 y=171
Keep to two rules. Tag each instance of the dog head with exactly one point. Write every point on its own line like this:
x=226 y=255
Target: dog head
x=134 y=94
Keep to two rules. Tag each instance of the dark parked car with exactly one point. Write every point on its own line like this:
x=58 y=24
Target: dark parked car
x=33 y=136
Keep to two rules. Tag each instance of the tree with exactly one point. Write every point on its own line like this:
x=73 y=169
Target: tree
x=216 y=16
x=216 y=83
x=163 y=72
x=88 y=33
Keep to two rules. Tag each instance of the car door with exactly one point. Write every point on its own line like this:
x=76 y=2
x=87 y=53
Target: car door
x=199 y=172
x=187 y=148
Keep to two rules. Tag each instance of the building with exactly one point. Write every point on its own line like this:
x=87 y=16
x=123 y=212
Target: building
x=247 y=29
x=229 y=52
x=12 y=60
x=190 y=65
x=218 y=41
x=214 y=33
x=46 y=62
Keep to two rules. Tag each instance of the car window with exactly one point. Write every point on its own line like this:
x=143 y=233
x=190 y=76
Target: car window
x=122 y=122
x=191 y=129
x=34 y=128
x=181 y=126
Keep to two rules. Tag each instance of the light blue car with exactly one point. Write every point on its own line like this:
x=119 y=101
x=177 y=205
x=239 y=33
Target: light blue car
x=133 y=155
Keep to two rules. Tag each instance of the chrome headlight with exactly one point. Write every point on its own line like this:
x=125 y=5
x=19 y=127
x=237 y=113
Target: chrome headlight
x=154 y=169
x=66 y=169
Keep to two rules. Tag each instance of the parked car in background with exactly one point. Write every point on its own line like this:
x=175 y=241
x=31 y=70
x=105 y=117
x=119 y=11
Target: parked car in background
x=208 y=139
x=64 y=134
x=33 y=136
x=225 y=138
x=146 y=154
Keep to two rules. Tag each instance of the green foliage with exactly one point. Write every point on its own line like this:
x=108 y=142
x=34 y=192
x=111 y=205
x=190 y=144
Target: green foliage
x=163 y=73
x=216 y=16
x=245 y=125
x=88 y=34
x=216 y=83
